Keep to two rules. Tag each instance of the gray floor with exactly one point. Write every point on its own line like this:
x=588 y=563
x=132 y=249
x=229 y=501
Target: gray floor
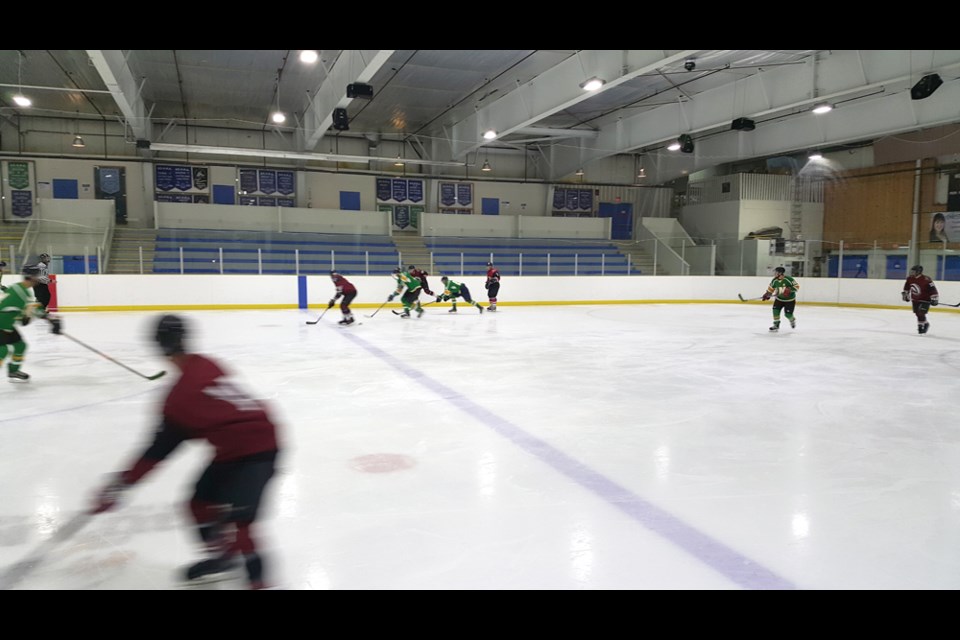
x=592 y=447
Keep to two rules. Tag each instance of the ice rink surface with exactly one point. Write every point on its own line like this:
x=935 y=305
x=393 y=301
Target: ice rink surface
x=556 y=447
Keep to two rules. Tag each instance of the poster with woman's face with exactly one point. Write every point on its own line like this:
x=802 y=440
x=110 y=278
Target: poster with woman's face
x=944 y=227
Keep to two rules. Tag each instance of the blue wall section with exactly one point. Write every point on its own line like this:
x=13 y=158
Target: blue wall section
x=302 y=291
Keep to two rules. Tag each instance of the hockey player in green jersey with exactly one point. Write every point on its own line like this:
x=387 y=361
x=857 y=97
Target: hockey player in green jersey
x=785 y=288
x=412 y=295
x=18 y=304
x=454 y=290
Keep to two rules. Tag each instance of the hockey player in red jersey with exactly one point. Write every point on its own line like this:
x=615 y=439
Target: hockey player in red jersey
x=204 y=404
x=493 y=286
x=346 y=289
x=920 y=290
x=420 y=275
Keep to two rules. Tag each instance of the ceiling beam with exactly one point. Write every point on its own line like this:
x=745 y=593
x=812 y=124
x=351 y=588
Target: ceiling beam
x=556 y=89
x=779 y=91
x=116 y=74
x=352 y=66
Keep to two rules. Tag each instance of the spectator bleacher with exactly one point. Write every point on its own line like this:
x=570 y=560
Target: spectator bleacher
x=529 y=257
x=278 y=252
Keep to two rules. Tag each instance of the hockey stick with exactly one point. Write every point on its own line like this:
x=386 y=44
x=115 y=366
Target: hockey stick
x=321 y=316
x=941 y=304
x=12 y=576
x=100 y=353
x=742 y=299
x=378 y=310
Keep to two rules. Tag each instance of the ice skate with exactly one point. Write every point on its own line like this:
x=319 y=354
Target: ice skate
x=481 y=308
x=793 y=323
x=210 y=570
x=405 y=314
x=15 y=376
x=419 y=311
x=344 y=322
x=775 y=327
x=452 y=310
x=922 y=328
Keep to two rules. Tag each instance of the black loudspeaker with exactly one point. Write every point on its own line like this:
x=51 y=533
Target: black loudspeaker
x=143 y=144
x=358 y=90
x=743 y=124
x=340 y=120
x=926 y=86
x=686 y=144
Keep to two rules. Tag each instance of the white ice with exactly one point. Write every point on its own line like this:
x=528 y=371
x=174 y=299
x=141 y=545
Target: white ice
x=583 y=447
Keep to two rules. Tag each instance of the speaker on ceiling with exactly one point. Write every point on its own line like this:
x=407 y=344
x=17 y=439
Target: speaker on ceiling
x=925 y=86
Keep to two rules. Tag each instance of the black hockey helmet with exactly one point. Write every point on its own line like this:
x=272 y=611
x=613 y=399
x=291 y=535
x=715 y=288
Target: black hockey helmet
x=396 y=270
x=489 y=264
x=918 y=268
x=779 y=270
x=30 y=271
x=170 y=334
x=334 y=272
x=444 y=279
x=44 y=257
x=411 y=268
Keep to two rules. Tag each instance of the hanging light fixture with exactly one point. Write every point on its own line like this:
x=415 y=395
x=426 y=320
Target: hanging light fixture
x=486 y=166
x=78 y=142
x=823 y=107
x=398 y=162
x=489 y=134
x=580 y=171
x=20 y=99
x=309 y=56
x=592 y=84
x=277 y=116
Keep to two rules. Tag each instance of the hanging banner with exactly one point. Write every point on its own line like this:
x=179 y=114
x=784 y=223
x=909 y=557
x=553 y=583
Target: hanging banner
x=248 y=201
x=399 y=190
x=415 y=191
x=268 y=181
x=185 y=198
x=248 y=181
x=267 y=201
x=201 y=198
x=573 y=197
x=448 y=193
x=415 y=213
x=586 y=199
x=200 y=178
x=464 y=193
x=164 y=177
x=401 y=216
x=559 y=198
x=285 y=182
x=110 y=181
x=383 y=189
x=285 y=202
x=21 y=203
x=182 y=178
x=18 y=175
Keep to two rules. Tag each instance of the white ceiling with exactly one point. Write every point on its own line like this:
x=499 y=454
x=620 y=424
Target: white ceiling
x=529 y=95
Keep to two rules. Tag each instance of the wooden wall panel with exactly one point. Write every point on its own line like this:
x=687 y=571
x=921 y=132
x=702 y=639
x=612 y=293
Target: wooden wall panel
x=874 y=204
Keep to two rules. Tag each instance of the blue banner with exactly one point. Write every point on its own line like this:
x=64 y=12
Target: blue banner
x=465 y=193
x=586 y=199
x=248 y=181
x=415 y=190
x=267 y=201
x=285 y=183
x=559 y=198
x=200 y=178
x=164 y=177
x=399 y=190
x=285 y=202
x=248 y=200
x=401 y=216
x=201 y=198
x=21 y=203
x=268 y=181
x=573 y=197
x=448 y=193
x=174 y=197
x=383 y=189
x=182 y=178
x=110 y=181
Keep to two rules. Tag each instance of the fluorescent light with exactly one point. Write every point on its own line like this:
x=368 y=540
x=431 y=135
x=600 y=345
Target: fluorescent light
x=22 y=100
x=592 y=84
x=823 y=107
x=278 y=117
x=309 y=56
x=674 y=146
x=78 y=142
x=490 y=134
x=816 y=155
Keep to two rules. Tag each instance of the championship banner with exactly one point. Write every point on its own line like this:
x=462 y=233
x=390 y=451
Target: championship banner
x=182 y=178
x=448 y=193
x=200 y=178
x=586 y=199
x=415 y=190
x=383 y=189
x=464 y=193
x=285 y=183
x=18 y=175
x=268 y=181
x=267 y=201
x=21 y=203
x=399 y=191
x=248 y=181
x=401 y=216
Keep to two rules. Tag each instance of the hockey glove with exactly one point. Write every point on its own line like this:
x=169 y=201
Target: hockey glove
x=110 y=495
x=905 y=296
x=3 y=288
x=486 y=285
x=934 y=301
x=391 y=297
x=766 y=296
x=439 y=298
x=332 y=302
x=25 y=320
x=55 y=325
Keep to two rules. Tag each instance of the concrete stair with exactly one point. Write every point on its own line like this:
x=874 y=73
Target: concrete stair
x=413 y=251
x=125 y=250
x=641 y=262
x=11 y=233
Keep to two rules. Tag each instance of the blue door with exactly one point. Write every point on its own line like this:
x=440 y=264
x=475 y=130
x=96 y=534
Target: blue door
x=622 y=214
